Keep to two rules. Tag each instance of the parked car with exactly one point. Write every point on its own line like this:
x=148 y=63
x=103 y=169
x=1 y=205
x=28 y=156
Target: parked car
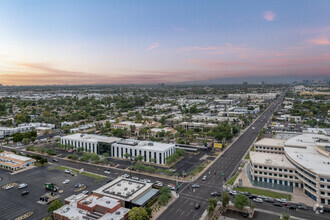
x=9 y=187
x=252 y=196
x=204 y=178
x=172 y=187
x=215 y=194
x=85 y=192
x=245 y=214
x=262 y=197
x=301 y=206
x=258 y=200
x=126 y=175
x=67 y=171
x=55 y=160
x=78 y=185
x=278 y=204
x=270 y=200
x=135 y=178
x=292 y=207
x=195 y=186
x=22 y=185
x=107 y=172
x=158 y=183
x=73 y=173
x=147 y=180
x=24 y=193
x=197 y=206
x=66 y=181
x=233 y=192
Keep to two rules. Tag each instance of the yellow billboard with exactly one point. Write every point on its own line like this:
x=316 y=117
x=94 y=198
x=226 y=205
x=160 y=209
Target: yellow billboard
x=217 y=145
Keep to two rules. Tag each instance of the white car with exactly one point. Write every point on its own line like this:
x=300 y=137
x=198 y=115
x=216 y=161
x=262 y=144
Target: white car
x=9 y=187
x=204 y=178
x=258 y=200
x=107 y=172
x=135 y=178
x=66 y=181
x=23 y=185
x=233 y=192
x=126 y=175
x=67 y=171
x=85 y=192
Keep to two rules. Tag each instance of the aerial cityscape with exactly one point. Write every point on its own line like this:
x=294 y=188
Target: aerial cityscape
x=164 y=110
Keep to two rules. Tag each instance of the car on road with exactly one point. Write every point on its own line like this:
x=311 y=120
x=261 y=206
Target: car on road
x=73 y=173
x=66 y=181
x=158 y=183
x=215 y=194
x=197 y=206
x=204 y=178
x=262 y=197
x=195 y=186
x=278 y=204
x=126 y=175
x=171 y=186
x=281 y=200
x=85 y=192
x=78 y=185
x=22 y=185
x=301 y=206
x=9 y=187
x=107 y=172
x=253 y=128
x=258 y=200
x=135 y=178
x=55 y=160
x=24 y=193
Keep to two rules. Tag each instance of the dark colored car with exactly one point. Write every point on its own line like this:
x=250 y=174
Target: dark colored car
x=252 y=196
x=245 y=214
x=278 y=204
x=270 y=200
x=215 y=194
x=24 y=193
x=293 y=207
x=197 y=206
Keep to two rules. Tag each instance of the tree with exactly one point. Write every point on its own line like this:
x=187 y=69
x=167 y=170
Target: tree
x=56 y=204
x=285 y=216
x=139 y=158
x=73 y=156
x=225 y=199
x=25 y=141
x=241 y=201
x=212 y=203
x=127 y=155
x=138 y=213
x=106 y=155
x=95 y=158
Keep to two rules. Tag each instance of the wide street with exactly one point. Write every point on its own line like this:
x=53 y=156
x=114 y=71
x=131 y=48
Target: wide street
x=228 y=163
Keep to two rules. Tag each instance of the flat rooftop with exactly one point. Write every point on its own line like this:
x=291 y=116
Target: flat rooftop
x=124 y=189
x=92 y=138
x=302 y=149
x=144 y=145
x=268 y=159
x=270 y=142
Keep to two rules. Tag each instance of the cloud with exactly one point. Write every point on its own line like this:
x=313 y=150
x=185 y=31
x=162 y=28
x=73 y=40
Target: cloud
x=321 y=40
x=269 y=16
x=196 y=48
x=153 y=46
x=178 y=28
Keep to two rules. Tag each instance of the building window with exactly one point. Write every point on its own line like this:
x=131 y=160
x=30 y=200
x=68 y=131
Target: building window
x=322 y=179
x=322 y=186
x=275 y=169
x=280 y=169
x=322 y=193
x=285 y=170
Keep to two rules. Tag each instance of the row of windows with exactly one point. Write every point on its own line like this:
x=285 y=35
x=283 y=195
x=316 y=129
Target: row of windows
x=271 y=152
x=305 y=178
x=120 y=152
x=271 y=148
x=275 y=169
x=323 y=201
x=275 y=181
x=304 y=171
x=323 y=193
x=323 y=186
x=323 y=179
x=309 y=187
x=275 y=174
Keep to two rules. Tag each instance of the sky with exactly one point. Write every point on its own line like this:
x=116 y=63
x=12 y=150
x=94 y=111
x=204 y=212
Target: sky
x=45 y=42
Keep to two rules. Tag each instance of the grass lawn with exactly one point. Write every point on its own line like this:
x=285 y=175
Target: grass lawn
x=232 y=180
x=247 y=157
x=264 y=192
x=99 y=178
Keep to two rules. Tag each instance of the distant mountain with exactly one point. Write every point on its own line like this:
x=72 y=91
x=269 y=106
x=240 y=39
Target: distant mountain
x=253 y=80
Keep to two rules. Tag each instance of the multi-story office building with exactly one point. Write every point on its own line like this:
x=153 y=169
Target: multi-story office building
x=155 y=152
x=302 y=161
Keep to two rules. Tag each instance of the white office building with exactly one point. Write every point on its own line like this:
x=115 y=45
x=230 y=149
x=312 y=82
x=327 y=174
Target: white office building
x=155 y=152
x=91 y=143
x=302 y=161
x=151 y=151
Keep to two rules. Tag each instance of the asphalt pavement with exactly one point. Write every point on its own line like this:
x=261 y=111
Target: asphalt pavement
x=227 y=164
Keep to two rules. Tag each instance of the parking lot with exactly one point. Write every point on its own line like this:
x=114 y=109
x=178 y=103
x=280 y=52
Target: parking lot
x=13 y=204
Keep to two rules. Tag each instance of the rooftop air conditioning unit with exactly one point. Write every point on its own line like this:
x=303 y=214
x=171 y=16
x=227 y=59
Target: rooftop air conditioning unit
x=107 y=202
x=150 y=144
x=118 y=184
x=118 y=213
x=125 y=188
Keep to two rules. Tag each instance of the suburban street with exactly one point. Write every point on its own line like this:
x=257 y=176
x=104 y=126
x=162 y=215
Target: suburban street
x=228 y=163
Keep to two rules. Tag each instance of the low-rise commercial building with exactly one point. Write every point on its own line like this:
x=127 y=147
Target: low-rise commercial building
x=11 y=161
x=91 y=207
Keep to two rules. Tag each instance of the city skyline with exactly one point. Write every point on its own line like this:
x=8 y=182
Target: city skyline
x=124 y=42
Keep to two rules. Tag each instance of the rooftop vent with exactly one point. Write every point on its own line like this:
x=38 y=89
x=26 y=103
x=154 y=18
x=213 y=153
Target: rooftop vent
x=125 y=188
x=150 y=144
x=118 y=184
x=130 y=183
x=118 y=213
x=108 y=202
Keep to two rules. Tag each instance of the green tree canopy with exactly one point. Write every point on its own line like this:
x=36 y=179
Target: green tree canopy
x=56 y=204
x=138 y=213
x=241 y=201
